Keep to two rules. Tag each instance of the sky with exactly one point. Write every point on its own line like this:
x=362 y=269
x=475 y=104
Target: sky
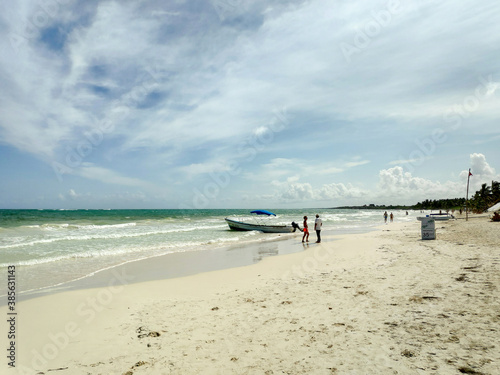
x=239 y=104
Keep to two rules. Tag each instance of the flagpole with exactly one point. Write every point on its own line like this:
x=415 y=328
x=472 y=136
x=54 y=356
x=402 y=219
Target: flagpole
x=467 y=199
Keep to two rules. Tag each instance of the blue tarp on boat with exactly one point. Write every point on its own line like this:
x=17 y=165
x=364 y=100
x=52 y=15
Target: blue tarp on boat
x=262 y=212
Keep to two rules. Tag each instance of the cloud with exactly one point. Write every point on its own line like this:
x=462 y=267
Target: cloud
x=164 y=13
x=482 y=172
x=92 y=172
x=301 y=192
x=353 y=164
x=206 y=74
x=182 y=84
x=480 y=166
x=339 y=191
x=296 y=192
x=395 y=179
x=209 y=167
x=70 y=195
x=405 y=161
x=282 y=167
x=394 y=186
x=396 y=183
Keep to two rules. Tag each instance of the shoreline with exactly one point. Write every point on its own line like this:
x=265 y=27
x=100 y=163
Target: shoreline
x=376 y=302
x=171 y=266
x=76 y=251
x=185 y=263
x=53 y=268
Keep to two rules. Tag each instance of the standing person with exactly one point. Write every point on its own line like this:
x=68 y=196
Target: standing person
x=317 y=227
x=385 y=217
x=392 y=217
x=306 y=230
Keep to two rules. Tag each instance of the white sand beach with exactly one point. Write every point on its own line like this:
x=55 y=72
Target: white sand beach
x=383 y=302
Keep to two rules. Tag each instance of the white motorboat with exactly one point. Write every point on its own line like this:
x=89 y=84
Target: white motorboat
x=261 y=225
x=441 y=216
x=438 y=217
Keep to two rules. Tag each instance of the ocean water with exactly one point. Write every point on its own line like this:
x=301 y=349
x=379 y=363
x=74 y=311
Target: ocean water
x=51 y=247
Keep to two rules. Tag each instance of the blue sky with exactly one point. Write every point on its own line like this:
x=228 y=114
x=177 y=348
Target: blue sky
x=263 y=104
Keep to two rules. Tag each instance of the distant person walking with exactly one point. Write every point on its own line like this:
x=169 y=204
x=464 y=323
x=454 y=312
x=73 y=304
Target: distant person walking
x=385 y=217
x=392 y=217
x=306 y=231
x=317 y=227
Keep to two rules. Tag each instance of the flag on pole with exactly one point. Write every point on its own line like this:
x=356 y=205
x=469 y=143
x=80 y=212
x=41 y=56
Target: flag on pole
x=470 y=174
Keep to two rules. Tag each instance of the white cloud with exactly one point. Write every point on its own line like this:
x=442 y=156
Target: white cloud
x=404 y=161
x=402 y=184
x=263 y=61
x=92 y=172
x=297 y=192
x=480 y=166
x=482 y=172
x=70 y=195
x=395 y=186
x=302 y=168
x=395 y=179
x=278 y=163
x=303 y=192
x=323 y=170
x=339 y=191
x=190 y=88
x=208 y=167
x=353 y=164
x=164 y=13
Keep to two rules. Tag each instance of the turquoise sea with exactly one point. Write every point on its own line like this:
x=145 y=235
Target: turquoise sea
x=51 y=247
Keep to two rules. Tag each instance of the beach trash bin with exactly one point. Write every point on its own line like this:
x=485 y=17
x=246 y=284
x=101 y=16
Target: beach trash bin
x=427 y=228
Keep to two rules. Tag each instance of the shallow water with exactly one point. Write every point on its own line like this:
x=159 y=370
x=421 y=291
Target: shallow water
x=56 y=246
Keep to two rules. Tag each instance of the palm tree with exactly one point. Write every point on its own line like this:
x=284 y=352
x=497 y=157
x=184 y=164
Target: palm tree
x=485 y=191
x=483 y=198
x=495 y=190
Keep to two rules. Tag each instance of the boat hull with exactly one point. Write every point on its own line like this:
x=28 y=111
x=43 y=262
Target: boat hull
x=241 y=226
x=441 y=217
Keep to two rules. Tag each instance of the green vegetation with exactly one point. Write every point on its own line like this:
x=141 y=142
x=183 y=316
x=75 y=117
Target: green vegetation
x=375 y=207
x=441 y=204
x=484 y=198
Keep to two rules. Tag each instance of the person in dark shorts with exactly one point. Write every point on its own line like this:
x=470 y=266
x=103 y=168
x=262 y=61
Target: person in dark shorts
x=317 y=227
